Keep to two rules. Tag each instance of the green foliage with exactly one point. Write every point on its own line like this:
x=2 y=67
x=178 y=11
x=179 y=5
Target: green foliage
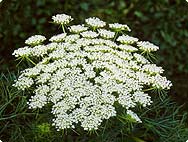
x=164 y=122
x=13 y=109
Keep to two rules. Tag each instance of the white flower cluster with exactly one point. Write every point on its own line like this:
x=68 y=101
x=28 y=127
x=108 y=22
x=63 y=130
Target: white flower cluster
x=89 y=34
x=22 y=51
x=83 y=75
x=125 y=39
x=127 y=48
x=147 y=46
x=35 y=40
x=95 y=22
x=62 y=19
x=152 y=69
x=106 y=34
x=77 y=28
x=58 y=38
x=37 y=51
x=119 y=27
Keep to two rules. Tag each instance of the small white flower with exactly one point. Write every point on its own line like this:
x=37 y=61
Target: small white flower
x=160 y=82
x=110 y=43
x=152 y=69
x=62 y=19
x=147 y=46
x=91 y=123
x=35 y=40
x=126 y=100
x=119 y=27
x=37 y=101
x=142 y=98
x=39 y=51
x=72 y=38
x=58 y=38
x=106 y=34
x=77 y=28
x=125 y=39
x=23 y=82
x=97 y=48
x=128 y=48
x=43 y=77
x=89 y=34
x=95 y=22
x=24 y=51
x=140 y=59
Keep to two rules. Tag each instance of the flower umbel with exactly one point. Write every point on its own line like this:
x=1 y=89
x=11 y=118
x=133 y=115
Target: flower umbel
x=83 y=73
x=119 y=27
x=77 y=28
x=147 y=46
x=95 y=22
x=62 y=19
x=35 y=40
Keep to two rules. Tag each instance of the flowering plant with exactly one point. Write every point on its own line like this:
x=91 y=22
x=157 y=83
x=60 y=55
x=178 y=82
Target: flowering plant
x=89 y=70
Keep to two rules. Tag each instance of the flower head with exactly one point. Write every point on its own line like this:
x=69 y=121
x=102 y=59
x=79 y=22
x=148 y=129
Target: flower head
x=77 y=28
x=95 y=22
x=24 y=51
x=106 y=33
x=125 y=39
x=84 y=73
x=58 y=38
x=127 y=48
x=62 y=19
x=119 y=27
x=35 y=40
x=89 y=34
x=147 y=46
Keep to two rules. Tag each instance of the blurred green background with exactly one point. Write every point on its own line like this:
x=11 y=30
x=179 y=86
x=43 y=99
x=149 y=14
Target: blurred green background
x=163 y=22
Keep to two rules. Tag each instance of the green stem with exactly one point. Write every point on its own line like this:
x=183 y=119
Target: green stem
x=63 y=28
x=149 y=89
x=30 y=60
x=94 y=29
x=136 y=139
x=19 y=62
x=116 y=35
x=15 y=115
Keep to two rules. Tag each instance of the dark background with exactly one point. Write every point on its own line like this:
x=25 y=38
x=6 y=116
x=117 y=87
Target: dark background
x=163 y=22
